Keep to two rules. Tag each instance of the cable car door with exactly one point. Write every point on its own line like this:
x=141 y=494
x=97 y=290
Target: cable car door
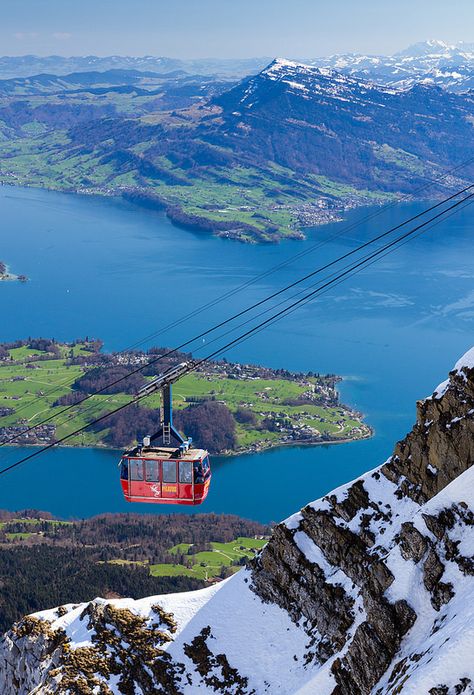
x=153 y=478
x=137 y=486
x=186 y=480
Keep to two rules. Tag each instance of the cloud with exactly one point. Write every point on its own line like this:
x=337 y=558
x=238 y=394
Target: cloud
x=24 y=35
x=373 y=299
x=62 y=35
x=466 y=302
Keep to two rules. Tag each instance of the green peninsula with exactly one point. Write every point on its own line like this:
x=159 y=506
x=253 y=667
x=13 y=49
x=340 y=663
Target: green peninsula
x=226 y=407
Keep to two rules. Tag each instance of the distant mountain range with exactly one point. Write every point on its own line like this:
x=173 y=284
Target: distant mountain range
x=429 y=62
x=150 y=90
x=27 y=65
x=118 y=79
x=433 y=62
x=291 y=146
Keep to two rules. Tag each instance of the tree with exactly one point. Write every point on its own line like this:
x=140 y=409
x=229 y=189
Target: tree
x=44 y=345
x=100 y=377
x=245 y=416
x=127 y=425
x=70 y=398
x=210 y=424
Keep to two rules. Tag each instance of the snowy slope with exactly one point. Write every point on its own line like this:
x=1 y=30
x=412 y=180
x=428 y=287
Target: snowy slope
x=311 y=82
x=368 y=590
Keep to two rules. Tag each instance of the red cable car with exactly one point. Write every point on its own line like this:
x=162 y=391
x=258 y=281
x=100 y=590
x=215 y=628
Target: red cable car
x=165 y=474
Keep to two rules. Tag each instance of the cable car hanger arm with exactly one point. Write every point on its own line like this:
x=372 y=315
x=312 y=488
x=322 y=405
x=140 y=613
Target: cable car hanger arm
x=163 y=383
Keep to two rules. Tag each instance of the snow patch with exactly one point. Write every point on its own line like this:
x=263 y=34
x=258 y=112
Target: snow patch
x=293 y=521
x=466 y=362
x=440 y=390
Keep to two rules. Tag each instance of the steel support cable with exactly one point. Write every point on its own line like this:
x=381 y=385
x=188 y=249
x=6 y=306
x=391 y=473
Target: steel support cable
x=356 y=267
x=343 y=275
x=367 y=265
x=245 y=311
x=301 y=254
x=271 y=271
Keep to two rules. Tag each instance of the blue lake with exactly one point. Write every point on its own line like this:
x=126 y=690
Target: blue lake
x=108 y=269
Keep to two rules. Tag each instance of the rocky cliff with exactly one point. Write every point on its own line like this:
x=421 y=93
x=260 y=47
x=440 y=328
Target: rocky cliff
x=368 y=590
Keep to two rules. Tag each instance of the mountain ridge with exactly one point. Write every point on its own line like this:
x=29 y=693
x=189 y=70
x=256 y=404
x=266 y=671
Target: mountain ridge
x=289 y=147
x=366 y=590
x=425 y=60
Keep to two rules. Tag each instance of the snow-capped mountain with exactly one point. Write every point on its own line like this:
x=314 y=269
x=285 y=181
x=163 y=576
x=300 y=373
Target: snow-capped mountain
x=318 y=121
x=368 y=590
x=429 y=62
x=310 y=81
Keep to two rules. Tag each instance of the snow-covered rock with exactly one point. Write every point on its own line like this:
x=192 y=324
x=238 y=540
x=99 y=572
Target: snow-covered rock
x=368 y=590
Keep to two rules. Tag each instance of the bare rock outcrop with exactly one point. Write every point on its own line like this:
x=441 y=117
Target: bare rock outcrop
x=354 y=531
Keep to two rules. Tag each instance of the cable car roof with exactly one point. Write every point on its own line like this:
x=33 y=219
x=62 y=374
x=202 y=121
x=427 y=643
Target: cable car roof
x=164 y=453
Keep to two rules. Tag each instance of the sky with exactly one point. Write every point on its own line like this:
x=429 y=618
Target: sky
x=228 y=28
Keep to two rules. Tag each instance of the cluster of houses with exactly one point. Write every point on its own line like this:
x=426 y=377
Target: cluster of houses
x=21 y=433
x=292 y=431
x=322 y=391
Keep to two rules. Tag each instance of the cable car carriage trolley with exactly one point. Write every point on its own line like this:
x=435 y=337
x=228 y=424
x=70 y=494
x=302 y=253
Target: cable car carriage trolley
x=165 y=474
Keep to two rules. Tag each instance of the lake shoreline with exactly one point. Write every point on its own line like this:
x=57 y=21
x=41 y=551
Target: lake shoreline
x=224 y=454
x=6 y=276
x=242 y=233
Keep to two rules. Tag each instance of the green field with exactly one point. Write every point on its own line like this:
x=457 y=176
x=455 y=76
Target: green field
x=208 y=564
x=220 y=559
x=31 y=386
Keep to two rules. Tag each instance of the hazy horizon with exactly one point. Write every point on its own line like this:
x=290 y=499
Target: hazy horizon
x=214 y=57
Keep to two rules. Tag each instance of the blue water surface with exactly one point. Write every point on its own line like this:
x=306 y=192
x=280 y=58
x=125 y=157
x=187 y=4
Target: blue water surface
x=102 y=267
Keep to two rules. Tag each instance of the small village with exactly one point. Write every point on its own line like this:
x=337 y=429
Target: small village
x=25 y=436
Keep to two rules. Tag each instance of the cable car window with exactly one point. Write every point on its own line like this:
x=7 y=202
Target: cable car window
x=124 y=469
x=185 y=472
x=136 y=470
x=169 y=471
x=206 y=467
x=152 y=471
x=198 y=474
